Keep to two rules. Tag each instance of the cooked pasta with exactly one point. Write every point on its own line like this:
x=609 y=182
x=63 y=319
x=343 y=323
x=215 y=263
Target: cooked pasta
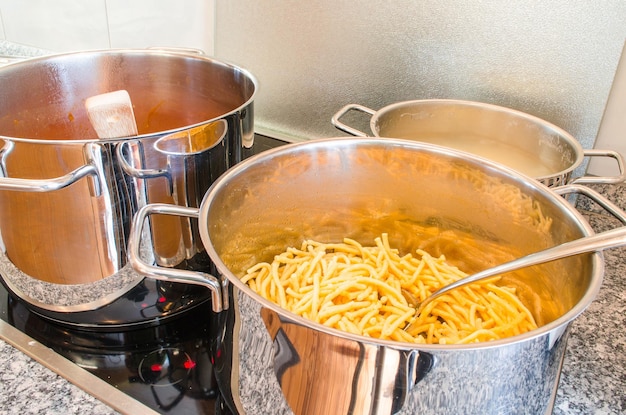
x=372 y=291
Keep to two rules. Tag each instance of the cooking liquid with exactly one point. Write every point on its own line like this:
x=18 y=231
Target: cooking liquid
x=509 y=155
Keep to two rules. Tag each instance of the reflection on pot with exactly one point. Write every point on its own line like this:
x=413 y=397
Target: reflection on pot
x=366 y=378
x=177 y=169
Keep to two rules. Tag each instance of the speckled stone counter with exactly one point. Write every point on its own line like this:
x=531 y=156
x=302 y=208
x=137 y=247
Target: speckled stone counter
x=593 y=379
x=26 y=387
x=10 y=52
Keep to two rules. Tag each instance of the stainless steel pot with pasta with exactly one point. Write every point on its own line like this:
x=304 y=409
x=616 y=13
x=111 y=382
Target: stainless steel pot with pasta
x=320 y=251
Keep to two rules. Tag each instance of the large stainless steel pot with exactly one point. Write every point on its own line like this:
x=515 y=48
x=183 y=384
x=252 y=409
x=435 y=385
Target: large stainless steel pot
x=527 y=143
x=67 y=197
x=270 y=361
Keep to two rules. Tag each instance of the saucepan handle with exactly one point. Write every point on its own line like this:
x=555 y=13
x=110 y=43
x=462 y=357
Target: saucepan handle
x=218 y=289
x=135 y=148
x=52 y=184
x=335 y=120
x=49 y=185
x=621 y=177
x=603 y=202
x=184 y=50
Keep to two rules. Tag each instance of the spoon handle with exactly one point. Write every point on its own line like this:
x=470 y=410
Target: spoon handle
x=609 y=239
x=111 y=114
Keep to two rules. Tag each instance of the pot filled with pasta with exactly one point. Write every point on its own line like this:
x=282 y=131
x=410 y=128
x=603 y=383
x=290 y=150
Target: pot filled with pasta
x=321 y=250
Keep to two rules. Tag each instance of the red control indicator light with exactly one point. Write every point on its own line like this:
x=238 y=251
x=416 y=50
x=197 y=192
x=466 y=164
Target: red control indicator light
x=165 y=367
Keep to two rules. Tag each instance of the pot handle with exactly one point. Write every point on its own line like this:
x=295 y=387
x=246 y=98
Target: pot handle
x=603 y=202
x=603 y=179
x=142 y=173
x=219 y=290
x=177 y=49
x=345 y=128
x=49 y=185
x=4 y=152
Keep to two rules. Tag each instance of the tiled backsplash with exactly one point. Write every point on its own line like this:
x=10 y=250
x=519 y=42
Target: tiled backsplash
x=69 y=25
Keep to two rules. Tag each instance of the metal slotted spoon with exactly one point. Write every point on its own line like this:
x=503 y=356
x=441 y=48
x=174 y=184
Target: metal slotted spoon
x=598 y=242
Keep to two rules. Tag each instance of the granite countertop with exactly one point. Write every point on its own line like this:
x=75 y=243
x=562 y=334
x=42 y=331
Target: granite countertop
x=27 y=387
x=593 y=378
x=30 y=382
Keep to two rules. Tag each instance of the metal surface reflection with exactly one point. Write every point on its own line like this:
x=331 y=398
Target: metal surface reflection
x=177 y=169
x=361 y=378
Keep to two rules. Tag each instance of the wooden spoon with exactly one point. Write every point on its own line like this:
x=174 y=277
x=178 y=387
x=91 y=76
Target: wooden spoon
x=111 y=114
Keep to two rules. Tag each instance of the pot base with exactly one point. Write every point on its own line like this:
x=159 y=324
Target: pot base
x=124 y=300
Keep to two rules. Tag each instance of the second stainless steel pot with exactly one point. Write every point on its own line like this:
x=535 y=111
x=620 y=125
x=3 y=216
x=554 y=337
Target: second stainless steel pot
x=475 y=212
x=67 y=198
x=516 y=139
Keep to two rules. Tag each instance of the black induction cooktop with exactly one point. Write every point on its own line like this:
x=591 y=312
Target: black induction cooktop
x=165 y=366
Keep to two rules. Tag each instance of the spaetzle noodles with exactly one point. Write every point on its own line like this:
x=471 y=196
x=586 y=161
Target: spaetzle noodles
x=372 y=291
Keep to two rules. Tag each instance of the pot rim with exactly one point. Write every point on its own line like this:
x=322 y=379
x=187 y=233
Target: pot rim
x=569 y=138
x=166 y=52
x=597 y=257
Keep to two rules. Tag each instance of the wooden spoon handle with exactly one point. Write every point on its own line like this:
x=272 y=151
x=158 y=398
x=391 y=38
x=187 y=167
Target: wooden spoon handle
x=111 y=114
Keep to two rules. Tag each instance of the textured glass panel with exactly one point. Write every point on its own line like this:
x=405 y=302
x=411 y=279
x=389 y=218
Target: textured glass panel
x=554 y=59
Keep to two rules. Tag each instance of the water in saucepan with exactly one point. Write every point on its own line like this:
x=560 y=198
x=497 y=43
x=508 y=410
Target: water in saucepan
x=509 y=155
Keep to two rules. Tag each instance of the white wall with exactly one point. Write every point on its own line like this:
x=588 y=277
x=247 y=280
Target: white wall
x=612 y=131
x=69 y=25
